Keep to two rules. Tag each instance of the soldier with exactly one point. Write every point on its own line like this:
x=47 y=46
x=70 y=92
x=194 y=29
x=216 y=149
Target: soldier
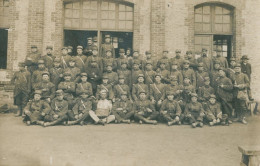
x=96 y=57
x=49 y=53
x=95 y=42
x=188 y=72
x=176 y=73
x=136 y=59
x=241 y=85
x=22 y=87
x=103 y=112
x=157 y=92
x=139 y=87
x=144 y=109
x=224 y=93
x=125 y=72
x=135 y=72
x=122 y=58
x=246 y=69
x=214 y=74
x=108 y=59
x=205 y=91
x=190 y=57
x=59 y=111
x=221 y=59
x=47 y=88
x=112 y=76
x=31 y=60
x=164 y=72
x=188 y=89
x=105 y=86
x=68 y=87
x=80 y=59
x=194 y=112
x=80 y=110
x=170 y=110
x=94 y=74
x=37 y=74
x=36 y=109
x=213 y=111
x=65 y=58
x=74 y=71
x=84 y=85
x=87 y=51
x=207 y=61
x=149 y=74
x=150 y=60
x=121 y=87
x=123 y=109
x=201 y=74
x=178 y=59
x=56 y=73
x=48 y=61
x=70 y=50
x=177 y=89
x=107 y=46
x=129 y=53
x=230 y=71
x=164 y=60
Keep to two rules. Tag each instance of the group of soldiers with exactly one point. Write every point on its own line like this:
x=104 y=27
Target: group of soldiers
x=95 y=87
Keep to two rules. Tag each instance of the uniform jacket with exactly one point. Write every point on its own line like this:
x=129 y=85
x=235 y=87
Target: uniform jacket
x=224 y=93
x=59 y=107
x=47 y=88
x=200 y=78
x=172 y=107
x=80 y=62
x=157 y=91
x=82 y=106
x=190 y=74
x=84 y=86
x=137 y=88
x=22 y=82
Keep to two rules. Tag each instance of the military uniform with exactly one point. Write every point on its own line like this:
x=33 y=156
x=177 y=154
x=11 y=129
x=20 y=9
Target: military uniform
x=84 y=86
x=121 y=59
x=165 y=75
x=150 y=60
x=134 y=76
x=94 y=75
x=120 y=89
x=107 y=46
x=187 y=72
x=213 y=112
x=222 y=60
x=177 y=74
x=139 y=87
x=109 y=60
x=157 y=92
x=31 y=60
x=188 y=89
x=50 y=54
x=107 y=87
x=176 y=88
x=135 y=60
x=88 y=50
x=200 y=76
x=47 y=88
x=126 y=73
x=74 y=71
x=112 y=77
x=96 y=58
x=204 y=92
x=80 y=60
x=191 y=59
x=214 y=76
x=207 y=62
x=164 y=60
x=37 y=74
x=56 y=73
x=149 y=77
x=177 y=59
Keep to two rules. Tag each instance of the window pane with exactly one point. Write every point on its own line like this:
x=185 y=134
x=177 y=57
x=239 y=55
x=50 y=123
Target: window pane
x=112 y=6
x=129 y=16
x=129 y=24
x=112 y=15
x=198 y=27
x=198 y=18
x=69 y=5
x=226 y=27
x=86 y=14
x=121 y=7
x=104 y=6
x=198 y=40
x=68 y=13
x=85 y=23
x=67 y=23
x=6 y=3
x=104 y=15
x=111 y=24
x=76 y=5
x=121 y=24
x=205 y=40
x=104 y=23
x=122 y=16
x=198 y=10
x=86 y=5
x=218 y=10
x=94 y=5
x=218 y=27
x=206 y=18
x=206 y=9
x=206 y=27
x=75 y=23
x=93 y=23
x=218 y=18
x=93 y=14
x=226 y=11
x=75 y=13
x=226 y=18
x=129 y=8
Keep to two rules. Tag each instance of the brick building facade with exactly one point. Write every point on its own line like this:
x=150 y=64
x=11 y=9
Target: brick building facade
x=152 y=24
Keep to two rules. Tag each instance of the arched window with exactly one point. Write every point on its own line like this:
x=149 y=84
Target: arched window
x=214 y=28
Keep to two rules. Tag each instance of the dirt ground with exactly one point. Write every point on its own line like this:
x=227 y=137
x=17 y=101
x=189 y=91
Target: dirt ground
x=123 y=144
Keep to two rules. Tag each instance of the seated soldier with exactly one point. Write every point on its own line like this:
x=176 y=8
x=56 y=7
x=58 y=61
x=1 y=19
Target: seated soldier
x=205 y=91
x=163 y=71
x=36 y=109
x=144 y=110
x=213 y=111
x=140 y=86
x=73 y=70
x=187 y=90
x=123 y=109
x=201 y=74
x=59 y=108
x=81 y=109
x=56 y=72
x=125 y=72
x=103 y=111
x=135 y=73
x=68 y=87
x=37 y=74
x=84 y=85
x=122 y=88
x=170 y=110
x=107 y=87
x=112 y=76
x=194 y=112
x=176 y=73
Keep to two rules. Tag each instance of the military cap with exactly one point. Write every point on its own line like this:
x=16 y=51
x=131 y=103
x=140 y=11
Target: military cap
x=212 y=96
x=157 y=74
x=142 y=91
x=109 y=64
x=56 y=59
x=232 y=59
x=136 y=51
x=33 y=46
x=178 y=51
x=103 y=91
x=216 y=62
x=186 y=77
x=123 y=62
x=206 y=79
x=45 y=73
x=40 y=61
x=165 y=51
x=204 y=49
x=83 y=74
x=147 y=52
x=79 y=47
x=93 y=60
x=21 y=64
x=221 y=68
x=173 y=78
x=170 y=93
x=70 y=47
x=95 y=38
x=64 y=48
x=38 y=92
x=72 y=59
x=188 y=52
x=140 y=75
x=237 y=65
x=136 y=62
x=121 y=76
x=121 y=50
x=200 y=64
x=245 y=57
x=107 y=36
x=123 y=93
x=89 y=38
x=128 y=49
x=66 y=74
x=194 y=95
x=59 y=92
x=105 y=77
x=174 y=63
x=84 y=92
x=148 y=62
x=108 y=50
x=49 y=47
x=94 y=48
x=163 y=61
x=186 y=62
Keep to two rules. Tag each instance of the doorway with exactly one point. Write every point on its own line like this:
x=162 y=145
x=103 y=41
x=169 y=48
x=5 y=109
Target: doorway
x=223 y=42
x=3 y=48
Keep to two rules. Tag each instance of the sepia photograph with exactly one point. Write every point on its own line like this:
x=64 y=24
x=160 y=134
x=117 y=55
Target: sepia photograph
x=129 y=82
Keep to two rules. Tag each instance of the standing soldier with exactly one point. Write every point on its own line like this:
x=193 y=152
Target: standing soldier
x=49 y=53
x=136 y=59
x=188 y=89
x=214 y=74
x=170 y=110
x=108 y=59
x=149 y=74
x=56 y=73
x=164 y=60
x=157 y=92
x=224 y=93
x=246 y=69
x=221 y=59
x=241 y=85
x=80 y=110
x=65 y=58
x=205 y=91
x=188 y=72
x=123 y=71
x=178 y=59
x=190 y=57
x=201 y=74
x=31 y=60
x=94 y=74
x=129 y=54
x=176 y=73
x=80 y=59
x=123 y=109
x=37 y=74
x=36 y=109
x=70 y=50
x=135 y=72
x=207 y=61
x=144 y=109
x=84 y=85
x=150 y=60
x=87 y=51
x=231 y=70
x=139 y=87
x=22 y=81
x=59 y=111
x=107 y=87
x=164 y=72
x=122 y=58
x=48 y=61
x=96 y=57
x=112 y=76
x=194 y=112
x=107 y=46
x=95 y=42
x=74 y=71
x=121 y=87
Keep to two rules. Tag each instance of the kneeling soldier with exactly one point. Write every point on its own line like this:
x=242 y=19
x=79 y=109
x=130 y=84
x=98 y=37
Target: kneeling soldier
x=123 y=109
x=36 y=109
x=145 y=110
x=102 y=114
x=213 y=111
x=59 y=111
x=194 y=111
x=170 y=110
x=81 y=109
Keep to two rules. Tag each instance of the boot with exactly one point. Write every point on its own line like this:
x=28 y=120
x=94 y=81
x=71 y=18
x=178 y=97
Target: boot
x=244 y=120
x=126 y=121
x=211 y=123
x=19 y=113
x=111 y=118
x=200 y=124
x=40 y=123
x=28 y=123
x=171 y=122
x=140 y=122
x=71 y=122
x=194 y=125
x=101 y=122
x=82 y=123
